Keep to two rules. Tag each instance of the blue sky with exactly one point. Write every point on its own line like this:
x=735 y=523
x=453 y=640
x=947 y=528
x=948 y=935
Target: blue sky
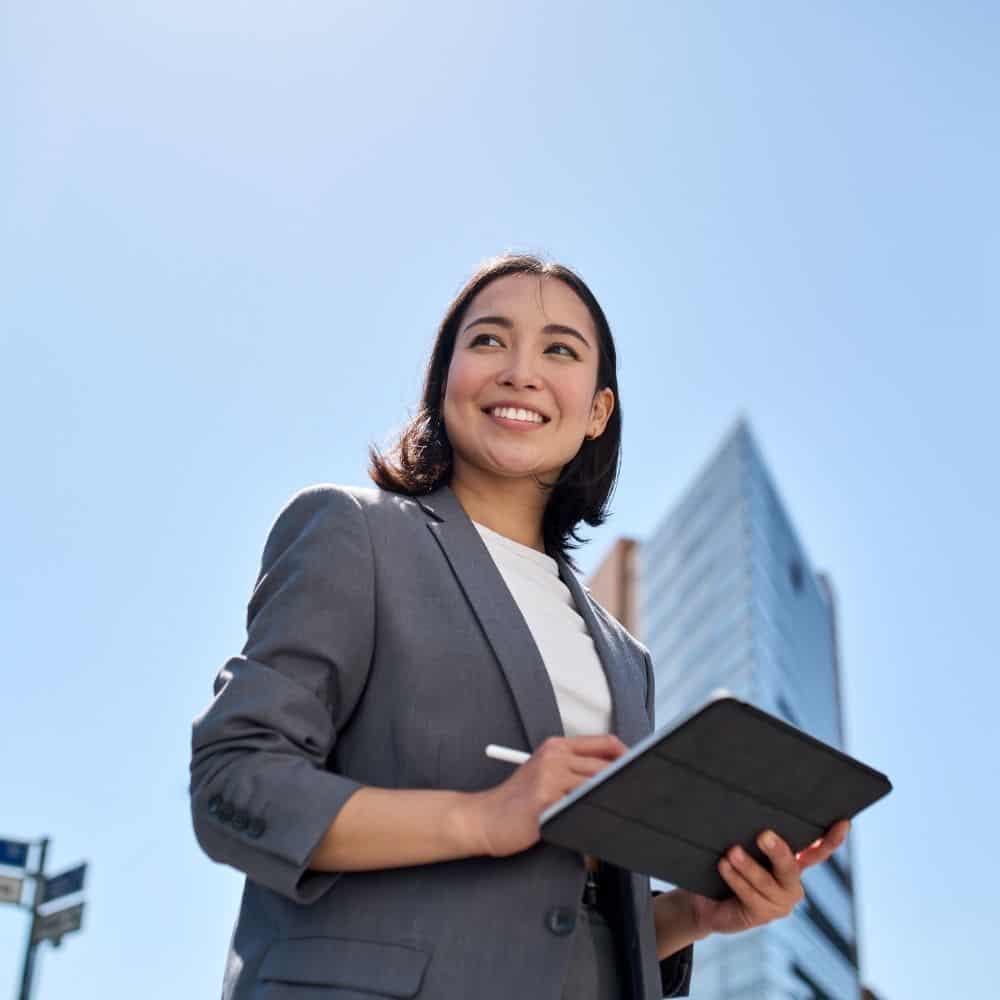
x=228 y=233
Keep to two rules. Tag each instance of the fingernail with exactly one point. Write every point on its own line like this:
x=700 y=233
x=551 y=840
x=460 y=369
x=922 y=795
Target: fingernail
x=768 y=839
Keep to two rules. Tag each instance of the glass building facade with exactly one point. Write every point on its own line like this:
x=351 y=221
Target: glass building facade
x=727 y=598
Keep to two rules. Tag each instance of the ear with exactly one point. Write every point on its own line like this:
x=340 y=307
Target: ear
x=600 y=412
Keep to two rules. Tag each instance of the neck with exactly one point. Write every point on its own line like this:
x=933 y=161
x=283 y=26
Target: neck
x=511 y=507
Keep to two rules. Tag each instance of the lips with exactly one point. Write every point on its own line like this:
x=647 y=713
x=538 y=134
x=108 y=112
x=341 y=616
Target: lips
x=513 y=424
x=488 y=410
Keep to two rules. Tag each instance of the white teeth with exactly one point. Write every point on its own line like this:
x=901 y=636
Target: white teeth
x=517 y=414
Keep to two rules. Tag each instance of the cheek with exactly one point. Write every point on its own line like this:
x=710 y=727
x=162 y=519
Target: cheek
x=464 y=382
x=575 y=402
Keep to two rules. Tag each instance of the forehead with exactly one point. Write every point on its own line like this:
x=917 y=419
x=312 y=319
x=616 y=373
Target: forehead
x=532 y=298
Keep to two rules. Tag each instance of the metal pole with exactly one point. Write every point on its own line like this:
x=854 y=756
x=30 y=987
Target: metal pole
x=29 y=952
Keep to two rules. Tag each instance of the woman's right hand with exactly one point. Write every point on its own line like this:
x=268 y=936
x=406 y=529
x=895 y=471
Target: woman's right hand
x=504 y=820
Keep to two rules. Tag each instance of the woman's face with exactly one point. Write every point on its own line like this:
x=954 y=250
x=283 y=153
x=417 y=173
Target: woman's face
x=525 y=343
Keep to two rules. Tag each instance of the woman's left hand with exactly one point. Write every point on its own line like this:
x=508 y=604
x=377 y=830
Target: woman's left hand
x=761 y=895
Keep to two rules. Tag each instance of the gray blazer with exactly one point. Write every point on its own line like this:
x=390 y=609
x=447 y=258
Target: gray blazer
x=384 y=648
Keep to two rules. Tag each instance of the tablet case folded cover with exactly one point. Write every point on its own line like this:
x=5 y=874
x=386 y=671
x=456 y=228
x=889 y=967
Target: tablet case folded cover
x=674 y=804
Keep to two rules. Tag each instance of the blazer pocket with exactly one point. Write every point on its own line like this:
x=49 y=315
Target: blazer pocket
x=389 y=968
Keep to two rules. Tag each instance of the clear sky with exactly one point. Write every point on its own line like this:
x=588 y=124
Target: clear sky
x=228 y=233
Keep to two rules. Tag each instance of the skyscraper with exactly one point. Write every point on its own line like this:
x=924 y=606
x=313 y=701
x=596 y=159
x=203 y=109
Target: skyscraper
x=724 y=596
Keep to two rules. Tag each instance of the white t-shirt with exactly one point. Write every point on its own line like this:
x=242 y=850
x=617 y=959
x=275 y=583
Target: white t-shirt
x=559 y=631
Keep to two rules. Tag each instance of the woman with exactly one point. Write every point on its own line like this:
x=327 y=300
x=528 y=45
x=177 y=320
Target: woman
x=393 y=633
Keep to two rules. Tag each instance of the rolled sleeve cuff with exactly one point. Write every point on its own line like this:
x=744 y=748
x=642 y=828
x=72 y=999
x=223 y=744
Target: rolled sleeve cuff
x=273 y=847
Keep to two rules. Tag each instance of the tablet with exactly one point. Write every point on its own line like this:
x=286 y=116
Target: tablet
x=676 y=801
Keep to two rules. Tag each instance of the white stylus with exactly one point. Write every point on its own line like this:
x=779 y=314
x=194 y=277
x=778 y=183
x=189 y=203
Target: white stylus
x=505 y=753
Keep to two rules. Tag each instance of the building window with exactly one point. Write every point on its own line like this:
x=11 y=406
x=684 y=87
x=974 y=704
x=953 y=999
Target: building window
x=816 y=992
x=795 y=573
x=840 y=871
x=827 y=928
x=786 y=711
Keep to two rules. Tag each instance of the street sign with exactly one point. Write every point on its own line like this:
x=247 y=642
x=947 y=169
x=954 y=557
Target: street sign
x=64 y=883
x=13 y=853
x=10 y=889
x=54 y=925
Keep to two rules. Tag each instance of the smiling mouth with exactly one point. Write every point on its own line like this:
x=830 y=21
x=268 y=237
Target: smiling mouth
x=516 y=416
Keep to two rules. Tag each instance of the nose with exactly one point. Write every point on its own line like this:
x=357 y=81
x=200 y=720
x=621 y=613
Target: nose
x=520 y=371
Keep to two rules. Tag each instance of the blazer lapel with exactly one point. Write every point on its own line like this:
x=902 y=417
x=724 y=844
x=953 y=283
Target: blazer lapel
x=628 y=709
x=511 y=640
x=498 y=614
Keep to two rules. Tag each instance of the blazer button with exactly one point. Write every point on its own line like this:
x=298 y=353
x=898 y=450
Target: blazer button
x=560 y=920
x=240 y=820
x=226 y=810
x=256 y=828
x=214 y=804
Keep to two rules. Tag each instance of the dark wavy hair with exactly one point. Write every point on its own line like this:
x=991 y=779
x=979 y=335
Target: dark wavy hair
x=421 y=458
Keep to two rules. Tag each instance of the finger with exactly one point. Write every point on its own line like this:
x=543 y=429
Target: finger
x=758 y=908
x=839 y=831
x=599 y=744
x=759 y=877
x=574 y=749
x=820 y=850
x=587 y=766
x=784 y=864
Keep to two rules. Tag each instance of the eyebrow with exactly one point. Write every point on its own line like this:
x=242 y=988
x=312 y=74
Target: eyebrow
x=553 y=328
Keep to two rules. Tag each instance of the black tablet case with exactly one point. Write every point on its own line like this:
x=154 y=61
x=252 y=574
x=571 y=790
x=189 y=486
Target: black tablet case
x=718 y=778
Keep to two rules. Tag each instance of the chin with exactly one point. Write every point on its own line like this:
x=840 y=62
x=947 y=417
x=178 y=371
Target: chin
x=511 y=466
x=517 y=471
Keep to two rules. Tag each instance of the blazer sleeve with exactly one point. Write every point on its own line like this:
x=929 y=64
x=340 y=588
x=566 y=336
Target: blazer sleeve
x=675 y=970
x=261 y=795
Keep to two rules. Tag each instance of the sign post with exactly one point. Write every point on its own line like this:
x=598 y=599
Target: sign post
x=64 y=883
x=29 y=952
x=48 y=925
x=14 y=853
x=10 y=889
x=52 y=926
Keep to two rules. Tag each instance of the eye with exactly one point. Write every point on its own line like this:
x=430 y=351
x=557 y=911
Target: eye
x=566 y=347
x=484 y=336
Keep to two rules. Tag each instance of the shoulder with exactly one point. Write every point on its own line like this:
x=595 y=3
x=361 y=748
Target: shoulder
x=322 y=496
x=321 y=508
x=315 y=504
x=333 y=498
x=313 y=517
